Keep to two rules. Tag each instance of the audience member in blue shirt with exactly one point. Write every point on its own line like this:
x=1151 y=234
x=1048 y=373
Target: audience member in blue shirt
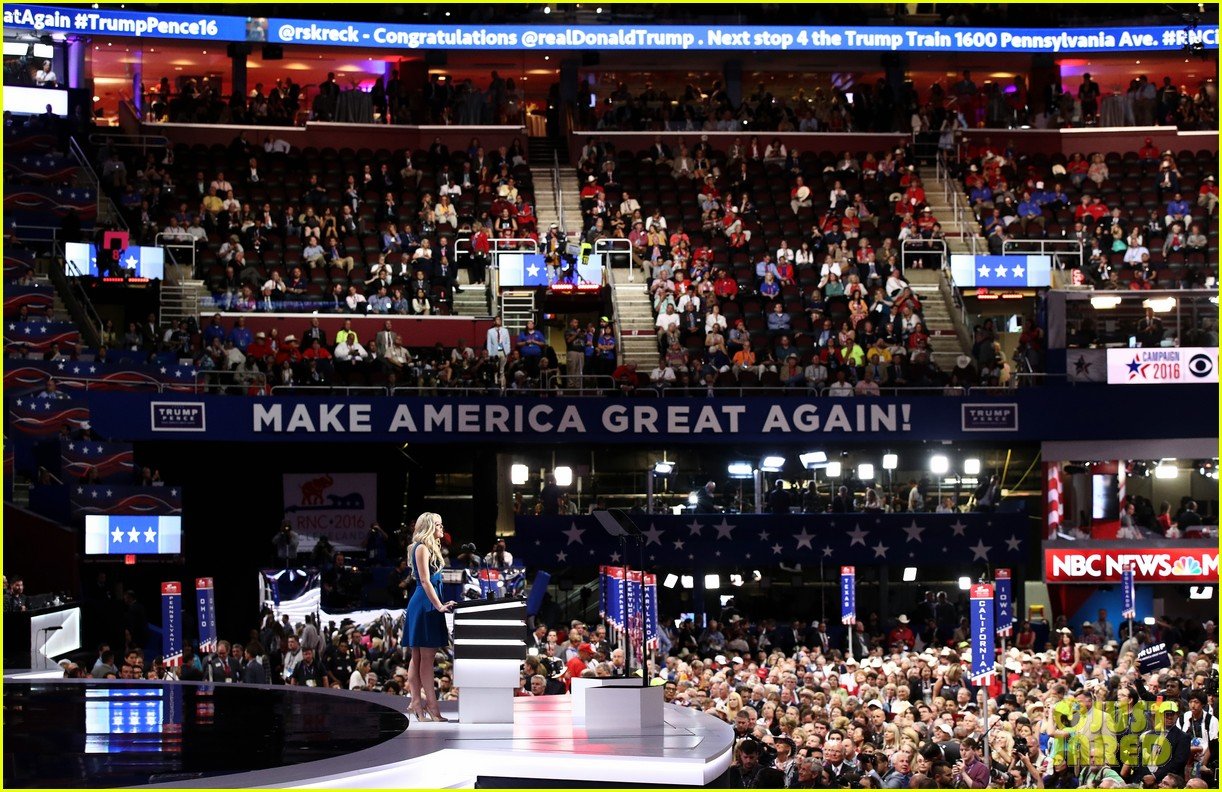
x=240 y=335
x=765 y=267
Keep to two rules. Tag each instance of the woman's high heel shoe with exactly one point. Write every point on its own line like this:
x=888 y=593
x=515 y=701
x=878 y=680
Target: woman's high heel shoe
x=435 y=714
x=418 y=711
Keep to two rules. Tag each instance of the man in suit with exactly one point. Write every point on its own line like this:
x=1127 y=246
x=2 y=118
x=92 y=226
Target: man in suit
x=1167 y=743
x=786 y=636
x=818 y=638
x=834 y=762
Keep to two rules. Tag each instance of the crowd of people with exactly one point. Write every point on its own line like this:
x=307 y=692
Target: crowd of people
x=1065 y=707
x=739 y=303
x=881 y=106
x=384 y=238
x=1162 y=242
x=194 y=100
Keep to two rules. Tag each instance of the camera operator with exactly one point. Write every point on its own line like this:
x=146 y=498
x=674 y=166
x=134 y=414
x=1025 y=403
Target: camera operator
x=499 y=558
x=285 y=542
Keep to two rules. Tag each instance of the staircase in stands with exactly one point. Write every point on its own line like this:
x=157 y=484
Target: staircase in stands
x=943 y=198
x=947 y=336
x=635 y=321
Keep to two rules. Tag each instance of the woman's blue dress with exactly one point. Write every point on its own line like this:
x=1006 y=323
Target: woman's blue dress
x=424 y=625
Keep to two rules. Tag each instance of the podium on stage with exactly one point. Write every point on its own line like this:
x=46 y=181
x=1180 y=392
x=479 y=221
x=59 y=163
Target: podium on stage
x=489 y=649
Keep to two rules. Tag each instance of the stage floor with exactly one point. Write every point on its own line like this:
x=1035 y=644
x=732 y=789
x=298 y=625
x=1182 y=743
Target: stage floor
x=77 y=733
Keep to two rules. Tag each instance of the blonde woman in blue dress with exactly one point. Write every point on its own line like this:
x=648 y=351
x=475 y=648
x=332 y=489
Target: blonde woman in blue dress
x=424 y=625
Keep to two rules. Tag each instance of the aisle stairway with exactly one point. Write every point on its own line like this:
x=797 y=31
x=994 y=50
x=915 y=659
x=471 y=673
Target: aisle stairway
x=943 y=203
x=634 y=315
x=947 y=336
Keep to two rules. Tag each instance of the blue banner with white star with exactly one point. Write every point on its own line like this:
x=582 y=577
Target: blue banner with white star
x=1001 y=272
x=709 y=540
x=127 y=534
x=116 y=499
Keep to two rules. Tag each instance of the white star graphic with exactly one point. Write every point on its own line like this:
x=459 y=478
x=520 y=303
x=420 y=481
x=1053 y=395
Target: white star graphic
x=984 y=271
x=1013 y=543
x=804 y=539
x=150 y=535
x=958 y=527
x=174 y=493
x=615 y=558
x=131 y=261
x=763 y=536
x=914 y=532
x=1018 y=270
x=80 y=490
x=694 y=527
x=72 y=447
x=93 y=369
x=108 y=492
x=858 y=535
x=574 y=533
x=776 y=549
x=561 y=556
x=532 y=270
x=133 y=534
x=163 y=369
x=652 y=536
x=980 y=552
x=880 y=550
x=93 y=493
x=538 y=542
x=827 y=552
x=723 y=529
x=678 y=544
x=116 y=535
x=1000 y=271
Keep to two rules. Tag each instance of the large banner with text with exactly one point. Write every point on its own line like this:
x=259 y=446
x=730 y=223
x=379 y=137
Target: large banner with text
x=1017 y=415
x=341 y=33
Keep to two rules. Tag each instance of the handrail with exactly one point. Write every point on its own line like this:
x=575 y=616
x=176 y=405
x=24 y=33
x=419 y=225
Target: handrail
x=75 y=298
x=608 y=245
x=170 y=246
x=557 y=197
x=1054 y=247
x=923 y=246
x=122 y=140
x=615 y=314
x=113 y=211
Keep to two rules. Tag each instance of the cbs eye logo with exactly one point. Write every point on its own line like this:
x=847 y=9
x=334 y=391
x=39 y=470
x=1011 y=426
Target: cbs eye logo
x=1200 y=365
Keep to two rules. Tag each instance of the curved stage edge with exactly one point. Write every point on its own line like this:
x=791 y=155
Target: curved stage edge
x=691 y=749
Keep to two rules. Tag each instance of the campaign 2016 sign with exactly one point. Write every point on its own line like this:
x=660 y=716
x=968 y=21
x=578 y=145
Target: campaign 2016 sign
x=1150 y=564
x=1161 y=365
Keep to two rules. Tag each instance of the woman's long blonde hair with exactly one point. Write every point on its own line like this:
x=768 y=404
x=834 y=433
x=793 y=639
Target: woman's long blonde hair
x=426 y=526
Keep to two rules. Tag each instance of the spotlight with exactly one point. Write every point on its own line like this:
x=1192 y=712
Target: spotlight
x=939 y=464
x=772 y=464
x=519 y=474
x=1166 y=469
x=755 y=575
x=890 y=461
x=688 y=581
x=1200 y=592
x=671 y=580
x=564 y=476
x=965 y=583
x=833 y=470
x=664 y=468
x=812 y=459
x=736 y=580
x=865 y=472
x=1148 y=621
x=740 y=470
x=971 y=466
x=712 y=581
x=909 y=574
x=692 y=498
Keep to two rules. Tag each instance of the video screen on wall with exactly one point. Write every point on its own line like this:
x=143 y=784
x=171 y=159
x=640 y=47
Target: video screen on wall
x=124 y=534
x=82 y=260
